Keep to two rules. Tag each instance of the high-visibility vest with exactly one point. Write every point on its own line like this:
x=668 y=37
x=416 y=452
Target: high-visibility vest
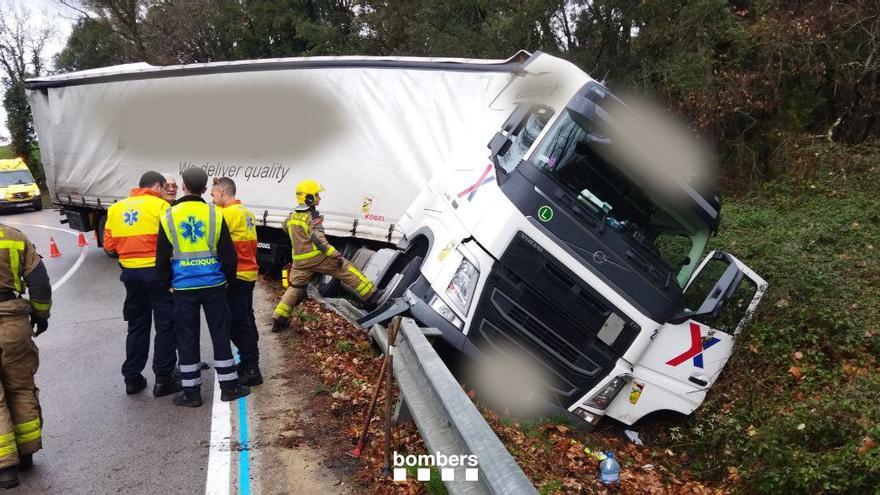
x=242 y=227
x=132 y=227
x=193 y=227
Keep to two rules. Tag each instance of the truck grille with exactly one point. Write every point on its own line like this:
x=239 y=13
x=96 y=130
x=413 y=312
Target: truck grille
x=535 y=305
x=20 y=195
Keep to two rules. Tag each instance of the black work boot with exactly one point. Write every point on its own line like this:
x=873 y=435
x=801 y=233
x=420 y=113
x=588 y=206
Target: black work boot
x=166 y=385
x=279 y=324
x=26 y=462
x=9 y=477
x=188 y=400
x=249 y=375
x=135 y=385
x=236 y=391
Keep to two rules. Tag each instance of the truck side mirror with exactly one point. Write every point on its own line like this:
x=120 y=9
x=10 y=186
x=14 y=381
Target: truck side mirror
x=717 y=296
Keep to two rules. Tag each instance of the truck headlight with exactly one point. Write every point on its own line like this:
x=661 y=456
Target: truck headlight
x=445 y=311
x=602 y=398
x=461 y=288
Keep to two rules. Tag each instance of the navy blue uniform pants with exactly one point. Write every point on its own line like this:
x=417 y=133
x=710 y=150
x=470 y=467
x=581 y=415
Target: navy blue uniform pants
x=187 y=304
x=244 y=328
x=147 y=301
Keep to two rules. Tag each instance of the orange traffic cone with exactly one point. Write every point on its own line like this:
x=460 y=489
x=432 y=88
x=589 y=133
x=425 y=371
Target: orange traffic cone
x=53 y=249
x=82 y=240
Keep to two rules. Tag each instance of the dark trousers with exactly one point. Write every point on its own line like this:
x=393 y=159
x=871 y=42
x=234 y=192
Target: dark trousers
x=147 y=300
x=244 y=328
x=186 y=306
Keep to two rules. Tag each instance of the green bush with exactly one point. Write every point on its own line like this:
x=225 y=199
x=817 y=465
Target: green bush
x=798 y=399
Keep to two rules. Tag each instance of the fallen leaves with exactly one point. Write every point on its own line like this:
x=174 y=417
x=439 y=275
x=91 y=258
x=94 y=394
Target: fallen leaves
x=547 y=453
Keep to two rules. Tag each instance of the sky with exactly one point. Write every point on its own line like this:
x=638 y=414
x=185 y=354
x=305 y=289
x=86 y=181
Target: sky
x=62 y=19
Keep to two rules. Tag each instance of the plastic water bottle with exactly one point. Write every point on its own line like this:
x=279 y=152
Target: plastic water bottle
x=609 y=470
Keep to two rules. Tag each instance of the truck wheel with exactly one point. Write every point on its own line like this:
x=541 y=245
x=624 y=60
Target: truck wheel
x=38 y=204
x=408 y=275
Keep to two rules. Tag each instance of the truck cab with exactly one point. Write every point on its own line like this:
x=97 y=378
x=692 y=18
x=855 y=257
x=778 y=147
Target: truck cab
x=564 y=255
x=18 y=189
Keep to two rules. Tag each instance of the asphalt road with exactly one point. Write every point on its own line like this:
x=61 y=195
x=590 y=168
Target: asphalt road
x=96 y=439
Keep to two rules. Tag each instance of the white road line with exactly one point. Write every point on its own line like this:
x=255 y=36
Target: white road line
x=220 y=453
x=79 y=261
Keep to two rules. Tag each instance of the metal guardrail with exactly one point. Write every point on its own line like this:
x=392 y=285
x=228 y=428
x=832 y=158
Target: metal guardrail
x=447 y=420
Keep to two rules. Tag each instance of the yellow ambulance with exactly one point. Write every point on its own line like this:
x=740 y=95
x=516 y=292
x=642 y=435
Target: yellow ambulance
x=17 y=186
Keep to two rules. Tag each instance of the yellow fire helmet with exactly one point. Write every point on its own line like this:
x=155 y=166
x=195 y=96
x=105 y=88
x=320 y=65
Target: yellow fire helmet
x=307 y=190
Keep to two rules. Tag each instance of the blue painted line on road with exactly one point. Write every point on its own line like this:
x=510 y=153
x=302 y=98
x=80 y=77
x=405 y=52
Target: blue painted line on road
x=244 y=449
x=244 y=452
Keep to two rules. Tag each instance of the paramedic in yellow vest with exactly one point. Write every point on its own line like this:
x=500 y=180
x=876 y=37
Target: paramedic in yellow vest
x=243 y=229
x=130 y=233
x=195 y=259
x=313 y=254
x=20 y=417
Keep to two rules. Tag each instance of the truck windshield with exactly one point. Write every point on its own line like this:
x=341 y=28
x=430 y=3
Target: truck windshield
x=579 y=160
x=15 y=177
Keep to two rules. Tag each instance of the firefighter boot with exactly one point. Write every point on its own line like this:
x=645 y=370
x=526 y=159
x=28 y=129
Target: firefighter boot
x=373 y=300
x=166 y=385
x=26 y=462
x=279 y=324
x=236 y=391
x=249 y=375
x=9 y=477
x=188 y=400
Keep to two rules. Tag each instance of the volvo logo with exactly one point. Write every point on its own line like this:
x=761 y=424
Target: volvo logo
x=599 y=257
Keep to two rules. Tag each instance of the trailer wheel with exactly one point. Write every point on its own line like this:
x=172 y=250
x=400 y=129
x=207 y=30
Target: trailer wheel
x=102 y=222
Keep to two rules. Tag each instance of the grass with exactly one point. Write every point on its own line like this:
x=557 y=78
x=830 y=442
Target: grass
x=6 y=152
x=796 y=409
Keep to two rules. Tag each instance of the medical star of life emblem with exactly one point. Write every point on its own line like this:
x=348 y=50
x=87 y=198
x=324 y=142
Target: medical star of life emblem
x=130 y=217
x=192 y=229
x=250 y=223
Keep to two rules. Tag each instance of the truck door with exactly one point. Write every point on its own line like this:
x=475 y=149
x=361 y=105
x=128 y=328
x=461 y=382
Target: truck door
x=687 y=353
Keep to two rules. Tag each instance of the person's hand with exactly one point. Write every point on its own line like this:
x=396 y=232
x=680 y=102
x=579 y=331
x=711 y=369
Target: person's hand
x=41 y=324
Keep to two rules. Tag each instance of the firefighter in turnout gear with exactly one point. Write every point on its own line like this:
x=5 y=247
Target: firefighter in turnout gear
x=20 y=416
x=243 y=229
x=313 y=254
x=130 y=234
x=196 y=258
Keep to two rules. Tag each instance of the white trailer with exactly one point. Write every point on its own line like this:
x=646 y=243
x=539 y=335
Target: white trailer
x=383 y=125
x=550 y=250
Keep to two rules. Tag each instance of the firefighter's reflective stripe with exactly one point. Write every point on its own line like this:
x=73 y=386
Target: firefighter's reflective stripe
x=41 y=306
x=242 y=228
x=364 y=288
x=194 y=228
x=282 y=310
x=7 y=444
x=305 y=256
x=132 y=227
x=28 y=431
x=15 y=248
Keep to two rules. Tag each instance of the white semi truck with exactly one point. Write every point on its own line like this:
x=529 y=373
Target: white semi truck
x=556 y=247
